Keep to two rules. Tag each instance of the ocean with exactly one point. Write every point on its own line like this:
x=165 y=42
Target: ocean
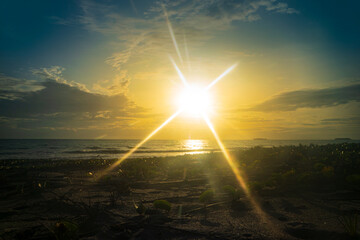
x=62 y=149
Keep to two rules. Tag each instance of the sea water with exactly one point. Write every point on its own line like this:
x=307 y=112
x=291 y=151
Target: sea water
x=55 y=149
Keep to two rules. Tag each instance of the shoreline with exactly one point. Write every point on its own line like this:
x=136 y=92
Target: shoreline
x=297 y=188
x=111 y=149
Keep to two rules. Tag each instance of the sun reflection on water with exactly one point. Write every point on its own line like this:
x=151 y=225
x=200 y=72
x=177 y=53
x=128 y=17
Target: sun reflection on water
x=194 y=144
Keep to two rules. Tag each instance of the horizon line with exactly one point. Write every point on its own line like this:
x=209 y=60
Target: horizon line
x=133 y=139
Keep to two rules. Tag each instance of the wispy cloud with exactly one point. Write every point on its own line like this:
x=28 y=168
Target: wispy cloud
x=311 y=98
x=219 y=12
x=54 y=73
x=341 y=121
x=145 y=36
x=118 y=85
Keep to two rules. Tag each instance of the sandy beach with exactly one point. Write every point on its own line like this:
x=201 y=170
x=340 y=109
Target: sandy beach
x=69 y=199
x=179 y=119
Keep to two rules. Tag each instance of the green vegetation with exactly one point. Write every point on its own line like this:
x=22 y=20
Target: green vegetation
x=300 y=167
x=255 y=186
x=207 y=196
x=76 y=188
x=233 y=193
x=286 y=167
x=162 y=205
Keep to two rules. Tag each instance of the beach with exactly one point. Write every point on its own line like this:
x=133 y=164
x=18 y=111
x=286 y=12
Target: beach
x=179 y=119
x=294 y=192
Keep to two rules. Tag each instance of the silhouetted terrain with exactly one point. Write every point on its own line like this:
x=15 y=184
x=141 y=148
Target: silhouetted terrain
x=299 y=192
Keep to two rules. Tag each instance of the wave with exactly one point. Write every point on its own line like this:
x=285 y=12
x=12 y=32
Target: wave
x=114 y=151
x=131 y=147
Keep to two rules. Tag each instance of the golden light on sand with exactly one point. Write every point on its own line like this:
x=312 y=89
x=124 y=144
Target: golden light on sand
x=237 y=174
x=227 y=157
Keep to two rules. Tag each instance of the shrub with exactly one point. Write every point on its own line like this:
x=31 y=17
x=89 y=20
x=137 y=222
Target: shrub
x=207 y=196
x=255 y=186
x=232 y=192
x=306 y=177
x=163 y=205
x=288 y=175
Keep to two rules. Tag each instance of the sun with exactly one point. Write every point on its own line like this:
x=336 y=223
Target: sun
x=195 y=101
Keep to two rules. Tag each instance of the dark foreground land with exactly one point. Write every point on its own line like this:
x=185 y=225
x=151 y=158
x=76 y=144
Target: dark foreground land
x=299 y=192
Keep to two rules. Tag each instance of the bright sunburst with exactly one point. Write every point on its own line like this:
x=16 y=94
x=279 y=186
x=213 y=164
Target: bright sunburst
x=195 y=101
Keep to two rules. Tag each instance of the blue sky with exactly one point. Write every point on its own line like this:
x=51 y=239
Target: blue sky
x=107 y=51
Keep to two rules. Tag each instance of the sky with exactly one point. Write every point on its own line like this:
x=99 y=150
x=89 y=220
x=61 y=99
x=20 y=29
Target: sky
x=102 y=69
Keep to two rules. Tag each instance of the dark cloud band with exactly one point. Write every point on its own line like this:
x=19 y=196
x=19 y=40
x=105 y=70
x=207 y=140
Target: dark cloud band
x=60 y=97
x=312 y=98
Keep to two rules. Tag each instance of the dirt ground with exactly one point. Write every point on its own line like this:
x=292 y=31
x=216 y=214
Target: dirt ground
x=38 y=203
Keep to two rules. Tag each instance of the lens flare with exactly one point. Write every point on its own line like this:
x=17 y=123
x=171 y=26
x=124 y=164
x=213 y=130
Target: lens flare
x=172 y=34
x=140 y=143
x=232 y=164
x=221 y=76
x=183 y=79
x=187 y=54
x=197 y=101
x=236 y=172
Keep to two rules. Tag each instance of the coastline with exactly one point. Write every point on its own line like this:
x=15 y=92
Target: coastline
x=45 y=149
x=36 y=195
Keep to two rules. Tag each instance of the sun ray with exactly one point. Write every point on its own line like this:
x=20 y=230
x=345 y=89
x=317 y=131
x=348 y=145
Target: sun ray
x=236 y=171
x=172 y=34
x=141 y=143
x=182 y=77
x=187 y=54
x=220 y=77
x=227 y=157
